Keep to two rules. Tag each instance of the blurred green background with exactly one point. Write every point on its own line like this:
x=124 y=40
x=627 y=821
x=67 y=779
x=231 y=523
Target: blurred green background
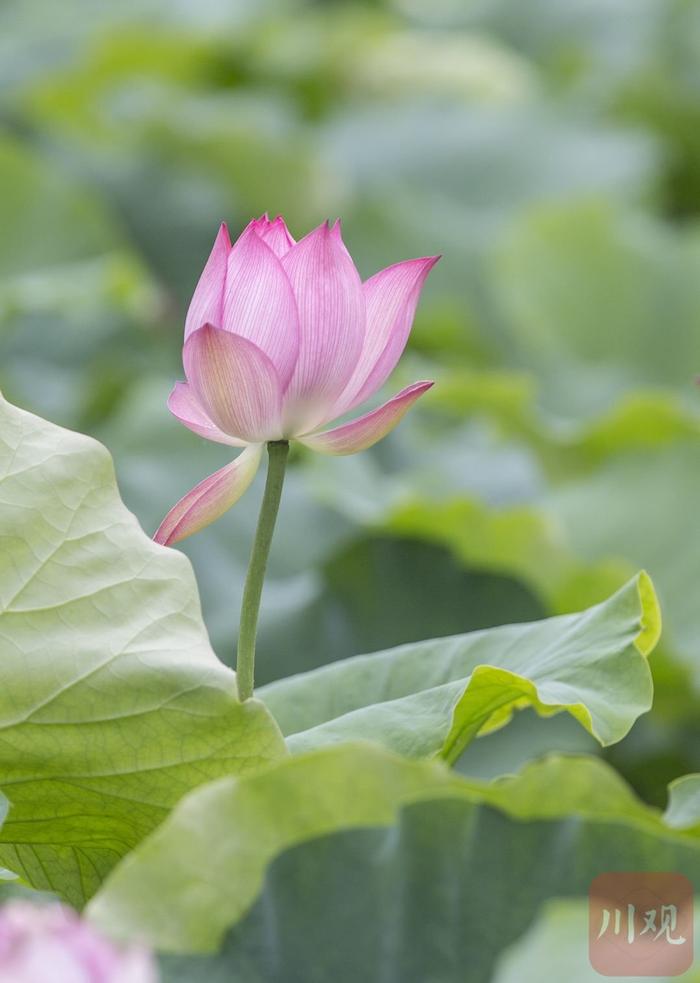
x=550 y=150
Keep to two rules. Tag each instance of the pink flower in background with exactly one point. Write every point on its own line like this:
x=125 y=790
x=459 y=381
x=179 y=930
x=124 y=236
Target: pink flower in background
x=281 y=338
x=51 y=944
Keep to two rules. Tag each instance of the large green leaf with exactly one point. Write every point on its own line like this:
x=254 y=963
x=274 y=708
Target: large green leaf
x=462 y=861
x=222 y=839
x=112 y=703
x=434 y=697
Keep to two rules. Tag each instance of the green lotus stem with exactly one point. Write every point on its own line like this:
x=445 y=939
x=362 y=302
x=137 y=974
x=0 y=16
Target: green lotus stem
x=277 y=452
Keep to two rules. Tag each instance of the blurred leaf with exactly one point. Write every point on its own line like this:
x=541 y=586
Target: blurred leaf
x=71 y=291
x=55 y=221
x=461 y=872
x=372 y=594
x=112 y=704
x=683 y=810
x=450 y=179
x=452 y=63
x=596 y=44
x=600 y=301
x=468 y=153
x=81 y=290
x=524 y=542
x=640 y=419
x=434 y=697
x=134 y=105
x=662 y=95
x=643 y=506
x=559 y=940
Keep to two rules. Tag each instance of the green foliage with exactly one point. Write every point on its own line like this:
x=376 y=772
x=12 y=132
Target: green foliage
x=112 y=703
x=434 y=697
x=373 y=594
x=462 y=861
x=598 y=520
x=548 y=150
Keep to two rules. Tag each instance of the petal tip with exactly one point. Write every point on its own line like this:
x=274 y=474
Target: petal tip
x=209 y=499
x=173 y=394
x=336 y=232
x=274 y=233
x=223 y=233
x=425 y=263
x=366 y=430
x=423 y=386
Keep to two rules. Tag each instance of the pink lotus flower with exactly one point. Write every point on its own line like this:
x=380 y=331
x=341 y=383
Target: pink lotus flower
x=281 y=338
x=46 y=943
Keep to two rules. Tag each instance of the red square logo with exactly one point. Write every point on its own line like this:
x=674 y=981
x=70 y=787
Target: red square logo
x=640 y=924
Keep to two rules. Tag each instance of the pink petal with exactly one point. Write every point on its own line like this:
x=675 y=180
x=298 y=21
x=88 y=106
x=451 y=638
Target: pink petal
x=259 y=302
x=235 y=383
x=366 y=430
x=332 y=324
x=210 y=498
x=392 y=297
x=183 y=404
x=275 y=233
x=207 y=304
